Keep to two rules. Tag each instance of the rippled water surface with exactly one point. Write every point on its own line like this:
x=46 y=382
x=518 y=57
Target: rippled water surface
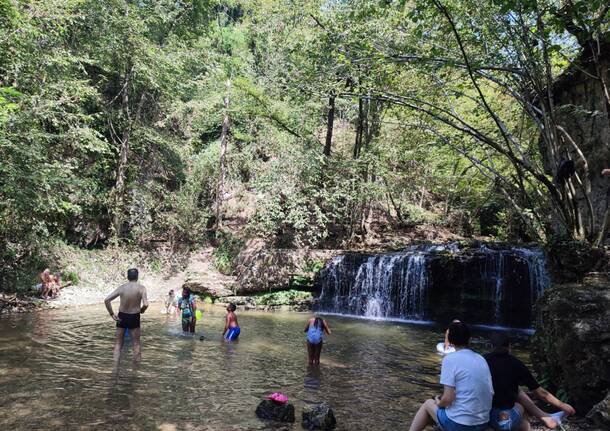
x=56 y=372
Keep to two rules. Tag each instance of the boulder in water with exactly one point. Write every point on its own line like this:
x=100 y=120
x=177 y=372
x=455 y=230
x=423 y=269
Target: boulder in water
x=319 y=417
x=271 y=410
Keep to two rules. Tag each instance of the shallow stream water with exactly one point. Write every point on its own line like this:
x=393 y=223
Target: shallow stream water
x=56 y=372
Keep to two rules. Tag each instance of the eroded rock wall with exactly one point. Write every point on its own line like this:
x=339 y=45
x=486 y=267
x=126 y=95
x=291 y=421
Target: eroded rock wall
x=571 y=347
x=583 y=111
x=262 y=269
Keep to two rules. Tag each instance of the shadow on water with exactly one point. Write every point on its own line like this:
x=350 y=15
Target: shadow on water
x=57 y=372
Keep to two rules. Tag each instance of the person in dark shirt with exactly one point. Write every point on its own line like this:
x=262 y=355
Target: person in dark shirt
x=509 y=403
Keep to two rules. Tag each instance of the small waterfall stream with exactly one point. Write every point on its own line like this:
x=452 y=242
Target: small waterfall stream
x=485 y=284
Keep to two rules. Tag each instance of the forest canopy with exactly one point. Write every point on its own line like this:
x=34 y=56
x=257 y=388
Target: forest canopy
x=306 y=123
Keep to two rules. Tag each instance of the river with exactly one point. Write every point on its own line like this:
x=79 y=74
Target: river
x=56 y=371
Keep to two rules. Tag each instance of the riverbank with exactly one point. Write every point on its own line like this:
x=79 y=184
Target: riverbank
x=97 y=272
x=93 y=274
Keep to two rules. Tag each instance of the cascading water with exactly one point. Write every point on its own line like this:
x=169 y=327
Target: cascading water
x=487 y=284
x=384 y=286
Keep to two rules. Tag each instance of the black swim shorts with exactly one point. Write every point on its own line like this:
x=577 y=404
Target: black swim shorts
x=128 y=321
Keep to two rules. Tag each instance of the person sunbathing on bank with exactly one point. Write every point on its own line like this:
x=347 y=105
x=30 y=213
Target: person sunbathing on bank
x=45 y=285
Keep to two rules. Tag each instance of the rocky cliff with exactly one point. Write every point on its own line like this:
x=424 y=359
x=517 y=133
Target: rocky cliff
x=582 y=110
x=571 y=347
x=261 y=269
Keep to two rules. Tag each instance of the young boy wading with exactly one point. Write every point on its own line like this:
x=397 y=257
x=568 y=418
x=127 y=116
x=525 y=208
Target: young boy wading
x=133 y=302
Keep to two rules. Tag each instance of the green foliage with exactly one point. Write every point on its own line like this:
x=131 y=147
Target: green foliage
x=225 y=254
x=313 y=266
x=111 y=113
x=284 y=297
x=72 y=277
x=155 y=266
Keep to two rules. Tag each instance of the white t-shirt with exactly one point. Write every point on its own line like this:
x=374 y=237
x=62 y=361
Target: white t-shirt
x=469 y=374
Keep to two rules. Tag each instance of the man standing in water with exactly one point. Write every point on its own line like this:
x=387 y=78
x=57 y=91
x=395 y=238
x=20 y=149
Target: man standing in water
x=133 y=302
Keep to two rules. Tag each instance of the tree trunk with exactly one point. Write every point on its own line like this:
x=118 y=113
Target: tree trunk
x=123 y=142
x=222 y=170
x=329 y=124
x=359 y=128
x=373 y=121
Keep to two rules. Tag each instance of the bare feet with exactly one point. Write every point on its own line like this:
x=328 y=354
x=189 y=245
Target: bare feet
x=549 y=422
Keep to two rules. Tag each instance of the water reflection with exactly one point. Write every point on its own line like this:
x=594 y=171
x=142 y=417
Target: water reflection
x=313 y=377
x=57 y=372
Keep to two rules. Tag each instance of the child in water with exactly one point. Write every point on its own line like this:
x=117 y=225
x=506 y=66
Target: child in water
x=169 y=302
x=231 y=331
x=447 y=344
x=315 y=328
x=188 y=306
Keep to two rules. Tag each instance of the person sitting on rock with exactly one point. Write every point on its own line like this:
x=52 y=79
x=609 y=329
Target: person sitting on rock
x=467 y=393
x=510 y=405
x=46 y=282
x=57 y=286
x=188 y=305
x=232 y=330
x=54 y=286
x=315 y=328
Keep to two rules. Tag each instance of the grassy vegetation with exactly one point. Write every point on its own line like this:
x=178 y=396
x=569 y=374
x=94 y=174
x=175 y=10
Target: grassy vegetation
x=286 y=297
x=225 y=254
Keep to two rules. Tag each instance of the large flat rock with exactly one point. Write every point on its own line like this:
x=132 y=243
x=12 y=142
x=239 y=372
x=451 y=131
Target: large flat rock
x=261 y=269
x=203 y=278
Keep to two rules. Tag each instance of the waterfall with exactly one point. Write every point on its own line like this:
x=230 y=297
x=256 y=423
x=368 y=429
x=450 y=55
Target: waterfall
x=483 y=285
x=538 y=276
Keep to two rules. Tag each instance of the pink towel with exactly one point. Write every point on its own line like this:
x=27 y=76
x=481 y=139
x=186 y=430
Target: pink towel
x=278 y=398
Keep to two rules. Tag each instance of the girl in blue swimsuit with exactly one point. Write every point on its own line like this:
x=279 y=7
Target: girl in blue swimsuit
x=315 y=328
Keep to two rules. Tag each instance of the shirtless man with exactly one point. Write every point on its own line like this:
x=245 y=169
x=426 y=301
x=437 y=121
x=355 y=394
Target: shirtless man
x=45 y=278
x=133 y=303
x=231 y=331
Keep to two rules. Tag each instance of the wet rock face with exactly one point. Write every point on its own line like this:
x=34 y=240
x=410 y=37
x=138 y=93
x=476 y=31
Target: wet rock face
x=479 y=290
x=270 y=410
x=571 y=347
x=479 y=284
x=570 y=260
x=319 y=417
